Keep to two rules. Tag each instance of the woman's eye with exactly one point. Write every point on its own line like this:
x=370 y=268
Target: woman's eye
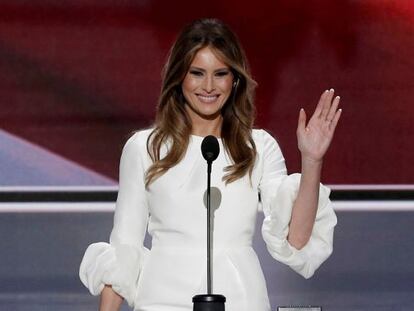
x=196 y=73
x=222 y=73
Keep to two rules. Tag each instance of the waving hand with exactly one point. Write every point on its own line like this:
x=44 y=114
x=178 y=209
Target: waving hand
x=315 y=137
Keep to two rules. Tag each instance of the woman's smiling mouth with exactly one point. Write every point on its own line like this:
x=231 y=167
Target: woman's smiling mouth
x=207 y=98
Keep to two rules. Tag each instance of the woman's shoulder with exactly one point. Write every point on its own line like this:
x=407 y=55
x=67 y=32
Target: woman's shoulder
x=138 y=139
x=265 y=142
x=262 y=136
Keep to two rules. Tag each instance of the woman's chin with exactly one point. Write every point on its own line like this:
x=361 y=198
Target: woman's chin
x=209 y=114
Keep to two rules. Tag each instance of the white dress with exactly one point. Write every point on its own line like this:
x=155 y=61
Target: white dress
x=166 y=277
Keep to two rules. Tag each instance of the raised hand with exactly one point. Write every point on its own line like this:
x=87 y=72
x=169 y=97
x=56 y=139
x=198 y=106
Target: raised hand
x=315 y=137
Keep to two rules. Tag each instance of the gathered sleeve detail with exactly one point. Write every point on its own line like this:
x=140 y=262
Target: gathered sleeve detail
x=119 y=262
x=278 y=197
x=118 y=266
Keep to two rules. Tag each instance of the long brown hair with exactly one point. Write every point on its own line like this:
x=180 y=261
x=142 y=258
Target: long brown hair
x=172 y=122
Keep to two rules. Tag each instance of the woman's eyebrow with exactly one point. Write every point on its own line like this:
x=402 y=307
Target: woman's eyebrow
x=203 y=70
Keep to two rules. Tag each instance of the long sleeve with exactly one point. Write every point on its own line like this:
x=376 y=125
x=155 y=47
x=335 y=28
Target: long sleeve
x=278 y=194
x=119 y=262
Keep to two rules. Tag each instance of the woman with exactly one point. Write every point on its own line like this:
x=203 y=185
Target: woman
x=207 y=90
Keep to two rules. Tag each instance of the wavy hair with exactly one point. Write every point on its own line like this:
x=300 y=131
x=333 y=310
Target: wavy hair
x=172 y=123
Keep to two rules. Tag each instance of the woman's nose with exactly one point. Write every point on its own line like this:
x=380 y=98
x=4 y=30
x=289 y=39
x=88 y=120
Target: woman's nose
x=208 y=84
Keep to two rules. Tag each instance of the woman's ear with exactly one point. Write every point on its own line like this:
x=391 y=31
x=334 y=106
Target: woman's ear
x=236 y=82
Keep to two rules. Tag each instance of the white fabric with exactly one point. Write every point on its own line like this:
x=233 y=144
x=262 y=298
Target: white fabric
x=276 y=227
x=174 y=270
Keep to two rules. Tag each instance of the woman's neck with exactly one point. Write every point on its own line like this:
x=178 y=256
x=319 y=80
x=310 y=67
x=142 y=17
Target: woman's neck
x=207 y=128
x=203 y=127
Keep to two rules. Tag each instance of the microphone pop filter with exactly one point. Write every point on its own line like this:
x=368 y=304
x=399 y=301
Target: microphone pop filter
x=210 y=148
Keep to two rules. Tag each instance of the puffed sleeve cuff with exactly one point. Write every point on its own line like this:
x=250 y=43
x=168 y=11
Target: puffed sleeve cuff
x=118 y=265
x=275 y=229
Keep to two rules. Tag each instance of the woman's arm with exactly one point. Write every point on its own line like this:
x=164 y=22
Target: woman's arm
x=313 y=142
x=110 y=300
x=306 y=203
x=120 y=262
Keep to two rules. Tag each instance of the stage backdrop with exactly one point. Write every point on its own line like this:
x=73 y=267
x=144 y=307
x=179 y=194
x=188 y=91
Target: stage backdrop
x=78 y=77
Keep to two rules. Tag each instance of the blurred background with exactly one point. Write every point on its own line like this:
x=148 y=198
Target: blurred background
x=78 y=77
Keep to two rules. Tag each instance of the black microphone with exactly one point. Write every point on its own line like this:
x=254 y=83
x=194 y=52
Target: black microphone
x=210 y=148
x=209 y=302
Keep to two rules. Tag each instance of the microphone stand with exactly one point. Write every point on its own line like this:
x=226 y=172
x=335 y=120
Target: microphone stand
x=208 y=228
x=209 y=301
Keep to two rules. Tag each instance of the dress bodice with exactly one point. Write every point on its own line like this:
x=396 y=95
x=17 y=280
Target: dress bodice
x=177 y=208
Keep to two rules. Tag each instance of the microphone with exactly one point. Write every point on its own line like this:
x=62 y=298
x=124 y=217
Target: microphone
x=210 y=148
x=209 y=302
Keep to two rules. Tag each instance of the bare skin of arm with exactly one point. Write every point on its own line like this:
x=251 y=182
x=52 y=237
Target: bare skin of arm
x=313 y=142
x=110 y=300
x=306 y=204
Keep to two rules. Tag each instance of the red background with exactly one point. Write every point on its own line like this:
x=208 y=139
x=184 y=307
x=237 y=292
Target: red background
x=78 y=77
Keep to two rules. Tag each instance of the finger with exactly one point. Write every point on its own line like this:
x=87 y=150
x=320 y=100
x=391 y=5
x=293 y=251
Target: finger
x=335 y=120
x=302 y=120
x=333 y=108
x=319 y=106
x=327 y=104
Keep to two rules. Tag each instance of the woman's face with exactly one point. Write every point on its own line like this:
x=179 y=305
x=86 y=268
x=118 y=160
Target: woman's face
x=206 y=86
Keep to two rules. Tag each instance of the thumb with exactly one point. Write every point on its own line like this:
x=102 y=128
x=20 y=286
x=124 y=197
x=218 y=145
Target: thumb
x=302 y=120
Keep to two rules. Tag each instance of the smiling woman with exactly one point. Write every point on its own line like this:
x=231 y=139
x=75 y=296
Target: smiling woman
x=207 y=90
